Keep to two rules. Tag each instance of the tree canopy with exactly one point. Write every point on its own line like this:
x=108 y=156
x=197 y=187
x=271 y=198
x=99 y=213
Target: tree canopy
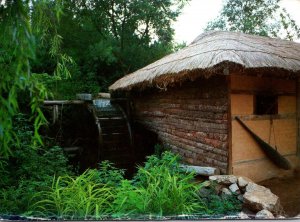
x=44 y=42
x=260 y=17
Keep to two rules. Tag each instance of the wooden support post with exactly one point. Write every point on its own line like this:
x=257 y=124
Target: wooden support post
x=55 y=114
x=298 y=115
x=229 y=130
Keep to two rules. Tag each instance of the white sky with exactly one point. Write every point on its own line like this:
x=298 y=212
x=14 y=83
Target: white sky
x=197 y=13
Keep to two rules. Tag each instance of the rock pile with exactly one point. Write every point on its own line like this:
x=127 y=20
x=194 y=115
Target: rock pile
x=257 y=199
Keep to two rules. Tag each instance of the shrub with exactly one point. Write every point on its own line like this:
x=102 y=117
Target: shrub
x=29 y=170
x=220 y=204
x=110 y=175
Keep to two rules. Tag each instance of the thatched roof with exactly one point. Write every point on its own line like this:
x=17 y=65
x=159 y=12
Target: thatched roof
x=210 y=50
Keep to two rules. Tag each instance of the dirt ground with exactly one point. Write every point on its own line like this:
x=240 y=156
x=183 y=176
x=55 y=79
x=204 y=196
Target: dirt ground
x=288 y=190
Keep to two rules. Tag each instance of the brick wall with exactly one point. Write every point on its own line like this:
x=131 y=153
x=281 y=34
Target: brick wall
x=191 y=119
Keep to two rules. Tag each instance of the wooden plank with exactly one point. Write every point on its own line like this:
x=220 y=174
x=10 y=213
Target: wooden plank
x=229 y=122
x=298 y=116
x=63 y=102
x=266 y=117
x=254 y=92
x=262 y=84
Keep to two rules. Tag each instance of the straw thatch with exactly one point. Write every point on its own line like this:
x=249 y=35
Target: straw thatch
x=209 y=51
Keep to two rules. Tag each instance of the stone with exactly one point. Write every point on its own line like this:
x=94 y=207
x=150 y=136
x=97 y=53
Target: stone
x=226 y=191
x=258 y=198
x=201 y=171
x=264 y=214
x=298 y=216
x=243 y=182
x=223 y=179
x=243 y=215
x=204 y=192
x=234 y=188
x=240 y=197
x=280 y=217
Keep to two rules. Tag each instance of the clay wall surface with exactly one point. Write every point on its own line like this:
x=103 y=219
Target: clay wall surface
x=247 y=157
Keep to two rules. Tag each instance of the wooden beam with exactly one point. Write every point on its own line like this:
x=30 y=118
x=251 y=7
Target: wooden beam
x=298 y=115
x=229 y=130
x=255 y=92
x=265 y=117
x=63 y=102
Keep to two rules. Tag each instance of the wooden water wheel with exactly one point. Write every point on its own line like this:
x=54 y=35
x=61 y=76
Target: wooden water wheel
x=115 y=140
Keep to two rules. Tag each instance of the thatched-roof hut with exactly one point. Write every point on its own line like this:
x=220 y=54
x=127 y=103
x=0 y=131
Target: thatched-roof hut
x=190 y=99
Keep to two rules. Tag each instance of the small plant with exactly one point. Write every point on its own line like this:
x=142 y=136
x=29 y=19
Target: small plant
x=167 y=160
x=81 y=197
x=110 y=175
x=159 y=150
x=220 y=204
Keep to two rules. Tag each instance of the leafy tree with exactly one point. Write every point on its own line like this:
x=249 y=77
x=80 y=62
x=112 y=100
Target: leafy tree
x=111 y=38
x=260 y=17
x=23 y=25
x=106 y=39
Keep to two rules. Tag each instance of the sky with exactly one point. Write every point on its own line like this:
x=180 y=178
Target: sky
x=198 y=13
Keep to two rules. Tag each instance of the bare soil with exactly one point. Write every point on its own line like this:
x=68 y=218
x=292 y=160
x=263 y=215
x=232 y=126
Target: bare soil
x=288 y=190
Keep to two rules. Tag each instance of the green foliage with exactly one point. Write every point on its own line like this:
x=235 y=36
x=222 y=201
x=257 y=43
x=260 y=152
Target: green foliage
x=224 y=204
x=165 y=193
x=109 y=174
x=81 y=197
x=109 y=38
x=96 y=41
x=219 y=204
x=19 y=25
x=159 y=188
x=29 y=170
x=261 y=17
x=167 y=160
x=61 y=88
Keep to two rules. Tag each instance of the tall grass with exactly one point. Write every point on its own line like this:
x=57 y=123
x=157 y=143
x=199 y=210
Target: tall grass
x=81 y=197
x=163 y=194
x=160 y=188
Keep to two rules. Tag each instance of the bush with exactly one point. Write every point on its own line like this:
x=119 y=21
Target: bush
x=110 y=175
x=29 y=170
x=220 y=204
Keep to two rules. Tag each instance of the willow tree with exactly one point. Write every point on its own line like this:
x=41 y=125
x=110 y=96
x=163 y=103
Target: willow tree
x=260 y=17
x=23 y=23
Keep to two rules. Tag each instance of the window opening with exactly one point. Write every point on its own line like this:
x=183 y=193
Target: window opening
x=266 y=105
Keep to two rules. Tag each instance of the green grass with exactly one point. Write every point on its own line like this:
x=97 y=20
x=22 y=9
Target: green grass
x=79 y=197
x=159 y=189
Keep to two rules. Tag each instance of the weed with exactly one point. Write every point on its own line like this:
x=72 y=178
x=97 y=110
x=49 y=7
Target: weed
x=110 y=175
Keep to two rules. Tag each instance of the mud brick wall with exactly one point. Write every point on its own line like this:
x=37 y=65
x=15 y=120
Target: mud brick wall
x=192 y=119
